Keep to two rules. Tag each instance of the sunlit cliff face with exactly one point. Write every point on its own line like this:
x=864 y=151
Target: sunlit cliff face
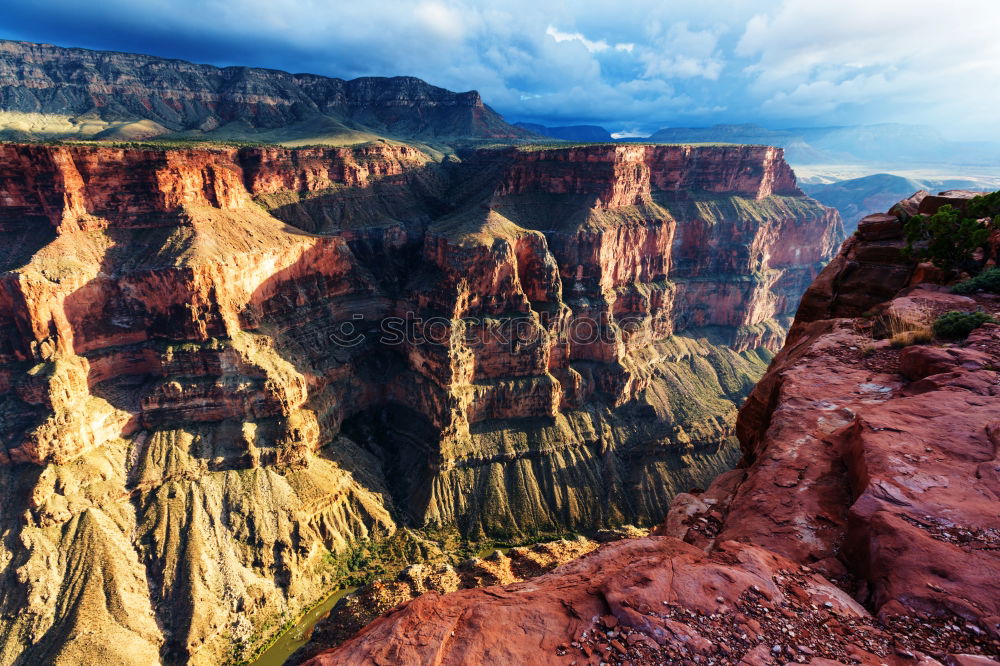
x=323 y=344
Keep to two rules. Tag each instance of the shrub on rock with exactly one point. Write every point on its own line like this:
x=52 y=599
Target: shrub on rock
x=957 y=324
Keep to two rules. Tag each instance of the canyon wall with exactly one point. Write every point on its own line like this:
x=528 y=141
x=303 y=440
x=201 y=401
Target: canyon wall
x=219 y=366
x=861 y=526
x=51 y=92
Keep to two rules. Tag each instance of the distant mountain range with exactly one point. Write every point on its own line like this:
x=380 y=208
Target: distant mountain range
x=50 y=92
x=570 y=132
x=858 y=197
x=887 y=143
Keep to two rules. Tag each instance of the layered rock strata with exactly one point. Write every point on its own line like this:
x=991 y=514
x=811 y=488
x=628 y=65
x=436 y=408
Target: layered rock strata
x=863 y=526
x=49 y=92
x=219 y=366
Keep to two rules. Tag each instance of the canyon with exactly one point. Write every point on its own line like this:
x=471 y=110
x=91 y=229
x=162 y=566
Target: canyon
x=221 y=368
x=860 y=526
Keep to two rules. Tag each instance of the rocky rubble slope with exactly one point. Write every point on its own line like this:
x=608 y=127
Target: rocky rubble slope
x=862 y=527
x=497 y=567
x=221 y=367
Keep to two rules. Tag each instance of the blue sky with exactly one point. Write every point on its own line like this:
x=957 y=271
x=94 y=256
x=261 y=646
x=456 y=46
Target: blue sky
x=631 y=66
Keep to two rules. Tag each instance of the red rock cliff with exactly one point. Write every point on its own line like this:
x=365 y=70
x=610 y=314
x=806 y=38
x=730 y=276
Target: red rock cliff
x=862 y=528
x=219 y=365
x=619 y=175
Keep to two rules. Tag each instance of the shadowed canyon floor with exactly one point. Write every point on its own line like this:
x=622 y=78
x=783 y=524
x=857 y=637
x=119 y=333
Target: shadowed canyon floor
x=220 y=368
x=861 y=527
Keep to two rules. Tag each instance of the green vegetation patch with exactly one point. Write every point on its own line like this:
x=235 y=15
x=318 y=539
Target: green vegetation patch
x=988 y=280
x=951 y=238
x=714 y=208
x=958 y=325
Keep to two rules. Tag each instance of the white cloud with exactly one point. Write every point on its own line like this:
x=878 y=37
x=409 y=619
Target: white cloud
x=590 y=45
x=629 y=134
x=906 y=58
x=683 y=53
x=628 y=63
x=439 y=19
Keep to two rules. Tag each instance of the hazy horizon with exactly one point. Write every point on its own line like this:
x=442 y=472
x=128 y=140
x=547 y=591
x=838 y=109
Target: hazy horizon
x=631 y=68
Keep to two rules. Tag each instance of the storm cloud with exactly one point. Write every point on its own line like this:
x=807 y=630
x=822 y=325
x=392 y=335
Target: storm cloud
x=631 y=66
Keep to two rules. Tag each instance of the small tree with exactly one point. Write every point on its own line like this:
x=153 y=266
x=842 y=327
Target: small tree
x=986 y=205
x=951 y=238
